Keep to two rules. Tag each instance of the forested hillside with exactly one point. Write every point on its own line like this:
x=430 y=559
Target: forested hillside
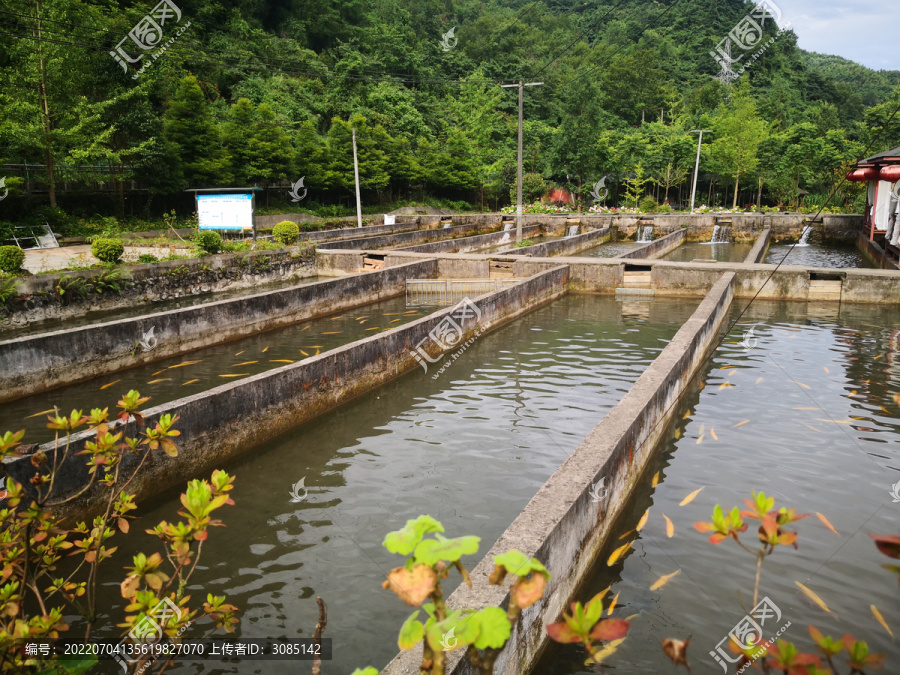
x=262 y=92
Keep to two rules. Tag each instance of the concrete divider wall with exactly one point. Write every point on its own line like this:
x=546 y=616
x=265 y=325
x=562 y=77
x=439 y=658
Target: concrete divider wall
x=36 y=363
x=354 y=232
x=562 y=526
x=37 y=300
x=467 y=244
x=564 y=246
x=230 y=419
x=658 y=247
x=758 y=252
x=408 y=238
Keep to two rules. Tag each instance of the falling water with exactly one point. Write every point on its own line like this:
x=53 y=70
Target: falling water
x=804 y=236
x=508 y=226
x=446 y=225
x=720 y=234
x=646 y=234
x=505 y=238
x=572 y=231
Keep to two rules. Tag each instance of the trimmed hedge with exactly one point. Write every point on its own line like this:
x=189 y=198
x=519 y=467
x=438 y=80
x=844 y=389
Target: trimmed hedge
x=107 y=250
x=208 y=241
x=286 y=232
x=11 y=259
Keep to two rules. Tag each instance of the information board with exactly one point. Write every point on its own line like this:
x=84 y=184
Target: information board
x=225 y=211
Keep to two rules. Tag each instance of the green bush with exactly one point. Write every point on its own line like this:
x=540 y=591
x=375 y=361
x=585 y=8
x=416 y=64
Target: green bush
x=11 y=259
x=286 y=232
x=648 y=204
x=208 y=241
x=107 y=250
x=147 y=258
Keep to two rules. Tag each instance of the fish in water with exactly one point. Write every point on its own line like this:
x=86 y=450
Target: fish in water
x=107 y=386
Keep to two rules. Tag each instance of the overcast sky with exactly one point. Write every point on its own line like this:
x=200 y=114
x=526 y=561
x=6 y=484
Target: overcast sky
x=863 y=31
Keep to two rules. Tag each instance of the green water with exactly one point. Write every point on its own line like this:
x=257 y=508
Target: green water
x=612 y=249
x=469 y=448
x=817 y=255
x=695 y=250
x=804 y=411
x=202 y=369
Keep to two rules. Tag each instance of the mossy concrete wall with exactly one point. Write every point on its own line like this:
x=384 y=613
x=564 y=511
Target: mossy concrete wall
x=563 y=526
x=415 y=237
x=466 y=244
x=658 y=247
x=37 y=298
x=565 y=246
x=758 y=252
x=223 y=422
x=32 y=364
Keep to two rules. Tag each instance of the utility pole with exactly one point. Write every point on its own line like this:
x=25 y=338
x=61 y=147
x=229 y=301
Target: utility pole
x=356 y=177
x=697 y=165
x=521 y=85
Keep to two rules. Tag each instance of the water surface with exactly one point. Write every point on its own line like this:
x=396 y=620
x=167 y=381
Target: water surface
x=806 y=415
x=695 y=250
x=817 y=255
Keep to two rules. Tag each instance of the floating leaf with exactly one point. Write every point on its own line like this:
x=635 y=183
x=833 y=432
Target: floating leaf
x=687 y=500
x=676 y=650
x=662 y=581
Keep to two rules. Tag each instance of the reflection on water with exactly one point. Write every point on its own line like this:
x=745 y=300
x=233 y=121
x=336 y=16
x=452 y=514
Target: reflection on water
x=805 y=415
x=817 y=255
x=203 y=369
x=694 y=250
x=139 y=309
x=470 y=448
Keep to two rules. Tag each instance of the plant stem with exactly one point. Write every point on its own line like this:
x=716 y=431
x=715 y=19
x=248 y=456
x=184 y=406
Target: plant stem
x=759 y=561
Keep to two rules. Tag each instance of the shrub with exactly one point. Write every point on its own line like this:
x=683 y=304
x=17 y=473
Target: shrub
x=286 y=232
x=107 y=250
x=648 y=204
x=147 y=258
x=208 y=241
x=11 y=259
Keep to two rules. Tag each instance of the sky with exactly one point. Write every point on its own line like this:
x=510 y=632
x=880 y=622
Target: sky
x=865 y=31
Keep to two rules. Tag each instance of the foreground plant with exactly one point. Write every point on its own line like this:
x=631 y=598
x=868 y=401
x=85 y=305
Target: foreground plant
x=34 y=537
x=780 y=655
x=418 y=583
x=585 y=625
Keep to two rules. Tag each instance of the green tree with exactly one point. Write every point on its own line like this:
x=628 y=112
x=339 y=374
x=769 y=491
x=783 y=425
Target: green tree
x=191 y=129
x=739 y=130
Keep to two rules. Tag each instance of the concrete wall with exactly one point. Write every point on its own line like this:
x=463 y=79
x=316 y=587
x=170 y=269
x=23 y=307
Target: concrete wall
x=467 y=244
x=409 y=238
x=565 y=246
x=562 y=526
x=33 y=364
x=658 y=247
x=758 y=252
x=230 y=419
x=38 y=300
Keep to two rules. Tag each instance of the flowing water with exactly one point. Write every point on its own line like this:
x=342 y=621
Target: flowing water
x=797 y=403
x=202 y=369
x=695 y=250
x=818 y=255
x=469 y=448
x=611 y=249
x=646 y=235
x=139 y=309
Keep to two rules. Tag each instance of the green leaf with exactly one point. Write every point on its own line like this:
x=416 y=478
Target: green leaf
x=405 y=540
x=594 y=609
x=495 y=628
x=520 y=564
x=369 y=670
x=431 y=551
x=411 y=633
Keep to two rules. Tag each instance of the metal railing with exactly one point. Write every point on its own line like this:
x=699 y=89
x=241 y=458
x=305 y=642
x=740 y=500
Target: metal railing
x=450 y=291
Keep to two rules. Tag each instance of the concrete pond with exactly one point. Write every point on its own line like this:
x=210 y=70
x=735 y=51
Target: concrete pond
x=678 y=372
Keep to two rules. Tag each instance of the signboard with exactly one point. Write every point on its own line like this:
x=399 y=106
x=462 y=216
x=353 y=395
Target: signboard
x=225 y=211
x=390 y=219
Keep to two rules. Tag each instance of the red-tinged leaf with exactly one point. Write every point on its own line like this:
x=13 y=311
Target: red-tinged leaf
x=610 y=629
x=412 y=586
x=130 y=585
x=887 y=544
x=201 y=535
x=704 y=527
x=169 y=448
x=769 y=528
x=562 y=632
x=90 y=556
x=717 y=538
x=123 y=525
x=787 y=538
x=39 y=536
